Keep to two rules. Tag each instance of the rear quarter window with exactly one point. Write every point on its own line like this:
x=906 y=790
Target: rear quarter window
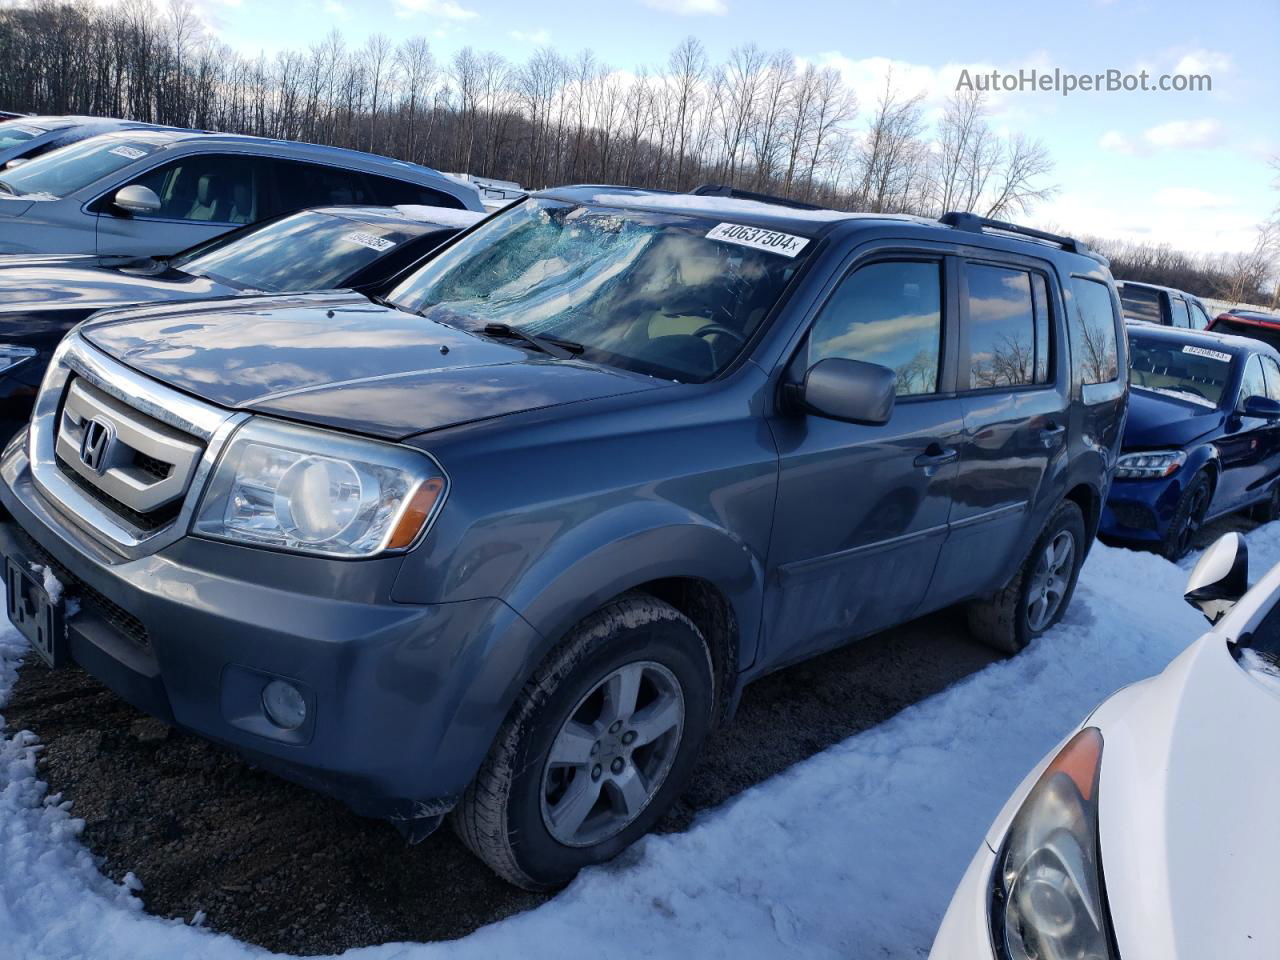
x=1095 y=354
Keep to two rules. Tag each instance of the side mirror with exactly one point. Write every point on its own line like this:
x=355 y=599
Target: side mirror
x=1262 y=407
x=16 y=162
x=136 y=198
x=849 y=390
x=1220 y=578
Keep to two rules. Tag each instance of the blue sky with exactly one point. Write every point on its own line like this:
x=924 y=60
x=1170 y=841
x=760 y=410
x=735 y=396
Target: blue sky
x=1187 y=168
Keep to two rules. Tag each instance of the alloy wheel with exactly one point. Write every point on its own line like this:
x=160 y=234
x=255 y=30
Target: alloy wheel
x=612 y=754
x=1050 y=579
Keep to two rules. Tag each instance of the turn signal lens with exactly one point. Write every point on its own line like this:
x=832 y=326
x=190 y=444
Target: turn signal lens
x=416 y=513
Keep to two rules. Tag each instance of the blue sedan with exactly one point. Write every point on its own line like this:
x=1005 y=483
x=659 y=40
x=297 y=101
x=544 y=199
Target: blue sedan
x=1202 y=439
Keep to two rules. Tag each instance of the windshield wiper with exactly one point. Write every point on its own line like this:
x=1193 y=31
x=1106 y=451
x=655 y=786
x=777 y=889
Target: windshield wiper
x=8 y=189
x=554 y=346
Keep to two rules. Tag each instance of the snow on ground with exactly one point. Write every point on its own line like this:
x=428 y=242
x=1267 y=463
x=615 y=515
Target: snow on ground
x=853 y=853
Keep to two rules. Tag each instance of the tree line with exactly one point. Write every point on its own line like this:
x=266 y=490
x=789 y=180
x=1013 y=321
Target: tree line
x=759 y=120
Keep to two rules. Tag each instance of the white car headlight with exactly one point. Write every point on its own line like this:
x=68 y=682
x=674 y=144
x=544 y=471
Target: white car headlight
x=312 y=491
x=1047 y=902
x=1150 y=465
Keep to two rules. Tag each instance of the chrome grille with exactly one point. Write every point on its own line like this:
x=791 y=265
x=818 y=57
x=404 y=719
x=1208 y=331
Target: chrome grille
x=116 y=450
x=122 y=458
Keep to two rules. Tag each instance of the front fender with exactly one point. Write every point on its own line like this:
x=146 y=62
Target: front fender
x=627 y=546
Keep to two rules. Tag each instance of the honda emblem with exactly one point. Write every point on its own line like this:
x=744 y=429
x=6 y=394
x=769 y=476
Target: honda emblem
x=95 y=445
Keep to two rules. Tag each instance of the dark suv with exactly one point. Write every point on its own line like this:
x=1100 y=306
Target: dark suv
x=511 y=543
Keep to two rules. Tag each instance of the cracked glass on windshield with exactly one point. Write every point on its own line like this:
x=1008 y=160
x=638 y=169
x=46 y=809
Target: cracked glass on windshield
x=645 y=291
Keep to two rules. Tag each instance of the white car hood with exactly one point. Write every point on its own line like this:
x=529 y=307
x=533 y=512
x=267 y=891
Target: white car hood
x=1188 y=810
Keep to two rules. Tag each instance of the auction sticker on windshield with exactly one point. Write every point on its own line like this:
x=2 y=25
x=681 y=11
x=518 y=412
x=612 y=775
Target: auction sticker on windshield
x=1206 y=352
x=129 y=153
x=773 y=241
x=369 y=240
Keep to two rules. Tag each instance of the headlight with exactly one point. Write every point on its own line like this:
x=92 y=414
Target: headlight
x=11 y=355
x=1150 y=466
x=1047 y=899
x=312 y=491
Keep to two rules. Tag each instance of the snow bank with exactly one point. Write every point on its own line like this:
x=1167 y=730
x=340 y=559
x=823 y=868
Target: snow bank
x=853 y=853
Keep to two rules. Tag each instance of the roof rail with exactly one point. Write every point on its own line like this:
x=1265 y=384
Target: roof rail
x=723 y=190
x=976 y=224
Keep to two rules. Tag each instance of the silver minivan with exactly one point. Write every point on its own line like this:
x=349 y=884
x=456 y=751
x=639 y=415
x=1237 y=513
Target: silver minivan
x=154 y=192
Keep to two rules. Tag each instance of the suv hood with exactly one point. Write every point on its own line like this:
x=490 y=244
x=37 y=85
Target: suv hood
x=1186 y=820
x=339 y=361
x=1159 y=420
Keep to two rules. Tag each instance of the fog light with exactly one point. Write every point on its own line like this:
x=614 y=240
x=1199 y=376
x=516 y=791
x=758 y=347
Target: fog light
x=284 y=704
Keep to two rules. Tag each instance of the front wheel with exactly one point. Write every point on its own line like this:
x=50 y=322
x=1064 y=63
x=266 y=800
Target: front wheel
x=1038 y=594
x=1188 y=517
x=600 y=742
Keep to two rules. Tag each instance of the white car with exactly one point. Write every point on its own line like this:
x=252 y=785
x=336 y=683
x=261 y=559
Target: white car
x=1152 y=832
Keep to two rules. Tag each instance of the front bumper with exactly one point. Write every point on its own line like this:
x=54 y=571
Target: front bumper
x=965 y=933
x=1141 y=510
x=193 y=632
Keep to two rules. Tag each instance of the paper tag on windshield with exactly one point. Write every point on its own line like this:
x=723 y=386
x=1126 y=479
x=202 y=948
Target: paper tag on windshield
x=771 y=240
x=129 y=153
x=370 y=241
x=1206 y=352
x=29 y=131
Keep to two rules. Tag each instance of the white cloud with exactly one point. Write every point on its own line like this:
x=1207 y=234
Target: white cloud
x=1174 y=135
x=1204 y=61
x=334 y=9
x=1151 y=219
x=538 y=38
x=446 y=9
x=690 y=8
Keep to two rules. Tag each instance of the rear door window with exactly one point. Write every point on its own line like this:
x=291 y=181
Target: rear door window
x=889 y=313
x=389 y=191
x=1178 y=310
x=1008 y=336
x=1092 y=321
x=317 y=185
x=1141 y=303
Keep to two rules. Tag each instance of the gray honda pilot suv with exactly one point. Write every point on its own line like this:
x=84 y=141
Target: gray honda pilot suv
x=508 y=544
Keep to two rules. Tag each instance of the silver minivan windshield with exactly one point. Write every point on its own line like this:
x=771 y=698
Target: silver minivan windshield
x=667 y=294
x=70 y=168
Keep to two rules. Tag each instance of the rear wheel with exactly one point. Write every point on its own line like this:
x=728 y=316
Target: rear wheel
x=1040 y=591
x=1188 y=517
x=598 y=745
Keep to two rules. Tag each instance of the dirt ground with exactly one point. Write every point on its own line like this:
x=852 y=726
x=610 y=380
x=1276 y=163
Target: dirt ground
x=278 y=866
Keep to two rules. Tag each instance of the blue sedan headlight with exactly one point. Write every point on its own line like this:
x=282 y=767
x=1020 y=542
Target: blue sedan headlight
x=1150 y=464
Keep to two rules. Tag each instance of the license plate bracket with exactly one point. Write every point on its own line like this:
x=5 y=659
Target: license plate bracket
x=37 y=616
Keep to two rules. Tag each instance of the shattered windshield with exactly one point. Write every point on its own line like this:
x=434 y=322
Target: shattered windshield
x=656 y=292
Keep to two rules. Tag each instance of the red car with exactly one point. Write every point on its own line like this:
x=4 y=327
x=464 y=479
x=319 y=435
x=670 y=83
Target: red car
x=1249 y=323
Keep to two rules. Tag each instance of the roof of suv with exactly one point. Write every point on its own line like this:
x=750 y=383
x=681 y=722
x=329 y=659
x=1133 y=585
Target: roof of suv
x=812 y=222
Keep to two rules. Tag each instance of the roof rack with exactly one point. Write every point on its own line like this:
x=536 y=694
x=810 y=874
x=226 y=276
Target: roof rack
x=976 y=224
x=723 y=190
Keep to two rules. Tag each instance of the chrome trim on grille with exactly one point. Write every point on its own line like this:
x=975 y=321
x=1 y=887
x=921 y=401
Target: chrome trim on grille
x=163 y=404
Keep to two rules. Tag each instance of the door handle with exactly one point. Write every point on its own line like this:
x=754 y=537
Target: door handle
x=936 y=455
x=1049 y=435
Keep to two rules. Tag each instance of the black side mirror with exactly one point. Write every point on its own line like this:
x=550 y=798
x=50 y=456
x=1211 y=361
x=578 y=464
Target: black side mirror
x=1262 y=407
x=1220 y=577
x=849 y=390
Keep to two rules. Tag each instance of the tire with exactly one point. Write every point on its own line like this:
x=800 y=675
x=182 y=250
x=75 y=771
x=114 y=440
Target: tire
x=1187 y=518
x=1006 y=620
x=518 y=814
x=1269 y=509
